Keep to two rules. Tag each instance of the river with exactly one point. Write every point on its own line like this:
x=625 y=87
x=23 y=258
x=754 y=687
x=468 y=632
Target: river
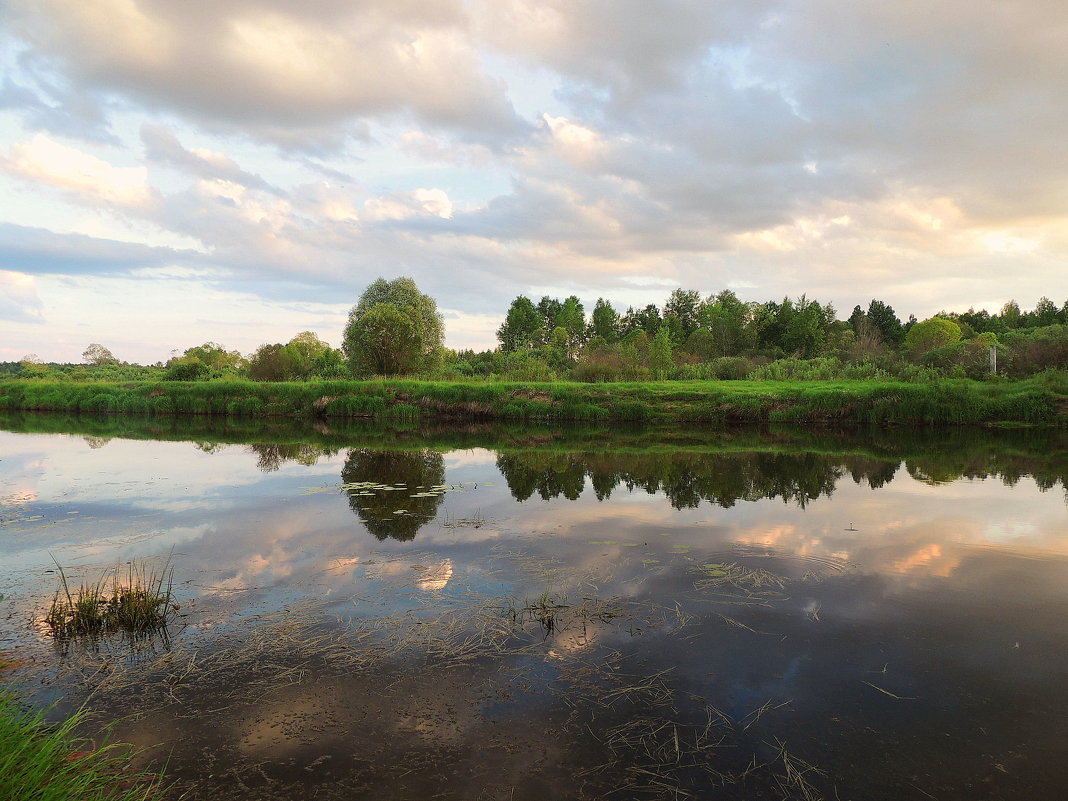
x=508 y=613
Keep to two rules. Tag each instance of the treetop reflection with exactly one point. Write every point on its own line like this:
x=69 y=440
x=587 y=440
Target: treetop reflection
x=687 y=479
x=395 y=514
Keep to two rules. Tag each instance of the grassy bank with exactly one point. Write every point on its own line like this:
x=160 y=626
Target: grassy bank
x=1039 y=401
x=43 y=763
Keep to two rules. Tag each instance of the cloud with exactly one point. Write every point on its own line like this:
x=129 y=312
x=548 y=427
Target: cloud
x=970 y=103
x=163 y=147
x=86 y=177
x=469 y=330
x=884 y=149
x=402 y=206
x=628 y=47
x=289 y=74
x=18 y=298
x=38 y=251
x=78 y=115
x=14 y=95
x=768 y=108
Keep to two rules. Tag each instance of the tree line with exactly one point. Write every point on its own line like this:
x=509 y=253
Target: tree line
x=721 y=336
x=395 y=329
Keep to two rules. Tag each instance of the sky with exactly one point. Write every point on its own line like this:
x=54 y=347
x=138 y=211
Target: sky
x=238 y=172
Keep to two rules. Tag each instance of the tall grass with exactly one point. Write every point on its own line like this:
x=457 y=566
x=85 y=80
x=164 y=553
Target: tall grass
x=43 y=763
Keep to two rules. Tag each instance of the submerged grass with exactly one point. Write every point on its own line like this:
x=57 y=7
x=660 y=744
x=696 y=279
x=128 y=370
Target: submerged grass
x=645 y=740
x=42 y=763
x=795 y=776
x=543 y=610
x=734 y=580
x=137 y=600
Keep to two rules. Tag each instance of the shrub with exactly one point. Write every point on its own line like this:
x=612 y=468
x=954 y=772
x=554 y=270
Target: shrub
x=186 y=368
x=960 y=359
x=733 y=368
x=821 y=369
x=1036 y=350
x=595 y=372
x=135 y=404
x=932 y=333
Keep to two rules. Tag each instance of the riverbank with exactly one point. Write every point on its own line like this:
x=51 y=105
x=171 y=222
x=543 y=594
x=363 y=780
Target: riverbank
x=1038 y=401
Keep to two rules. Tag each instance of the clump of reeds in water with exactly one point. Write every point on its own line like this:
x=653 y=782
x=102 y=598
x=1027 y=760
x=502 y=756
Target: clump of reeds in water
x=136 y=600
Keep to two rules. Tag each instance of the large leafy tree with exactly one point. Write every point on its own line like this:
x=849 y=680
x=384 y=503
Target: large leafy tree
x=213 y=356
x=799 y=328
x=604 y=322
x=300 y=358
x=1011 y=314
x=858 y=320
x=308 y=344
x=548 y=308
x=681 y=313
x=726 y=318
x=394 y=328
x=635 y=320
x=803 y=330
x=305 y=351
x=522 y=326
x=572 y=318
x=1045 y=313
x=384 y=341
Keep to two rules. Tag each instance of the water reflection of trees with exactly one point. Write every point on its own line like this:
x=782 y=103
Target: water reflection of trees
x=1047 y=473
x=416 y=470
x=687 y=479
x=271 y=456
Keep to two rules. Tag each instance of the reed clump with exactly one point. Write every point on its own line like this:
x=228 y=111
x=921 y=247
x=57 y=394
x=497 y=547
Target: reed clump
x=136 y=600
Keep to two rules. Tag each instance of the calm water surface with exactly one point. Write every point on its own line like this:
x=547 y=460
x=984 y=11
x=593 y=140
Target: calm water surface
x=535 y=615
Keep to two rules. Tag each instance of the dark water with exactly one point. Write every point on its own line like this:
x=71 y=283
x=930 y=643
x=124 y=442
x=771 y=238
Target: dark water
x=509 y=613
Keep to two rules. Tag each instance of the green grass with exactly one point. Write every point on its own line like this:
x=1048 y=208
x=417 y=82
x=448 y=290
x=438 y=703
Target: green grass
x=134 y=601
x=43 y=763
x=1039 y=401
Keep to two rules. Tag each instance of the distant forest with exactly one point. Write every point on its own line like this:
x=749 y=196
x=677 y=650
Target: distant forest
x=689 y=337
